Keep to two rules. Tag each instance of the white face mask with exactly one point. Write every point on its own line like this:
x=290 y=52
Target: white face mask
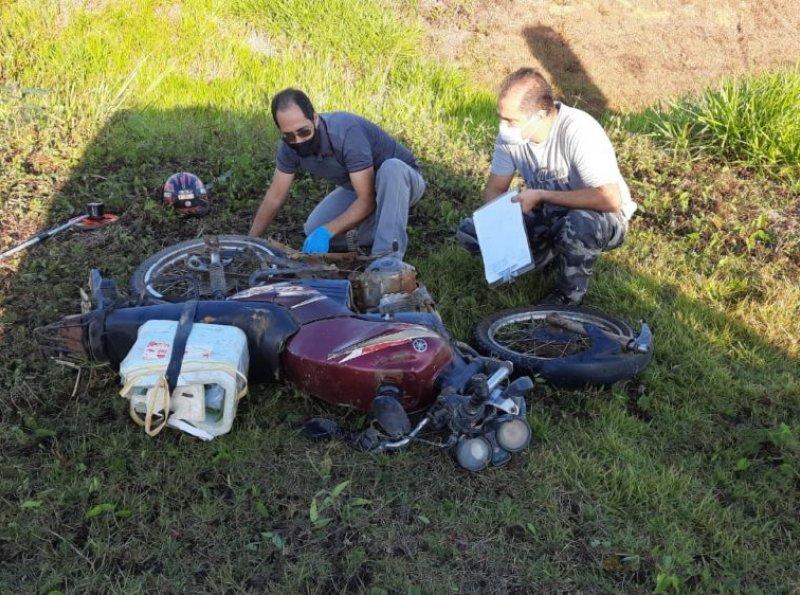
x=510 y=135
x=513 y=136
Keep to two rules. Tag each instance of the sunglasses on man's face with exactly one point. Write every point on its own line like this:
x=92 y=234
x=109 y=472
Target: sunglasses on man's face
x=298 y=135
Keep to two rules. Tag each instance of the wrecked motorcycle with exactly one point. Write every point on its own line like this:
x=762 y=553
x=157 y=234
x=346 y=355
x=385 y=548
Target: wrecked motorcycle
x=569 y=347
x=349 y=329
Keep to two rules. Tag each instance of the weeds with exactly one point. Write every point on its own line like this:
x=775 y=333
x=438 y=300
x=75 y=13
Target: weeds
x=331 y=502
x=747 y=121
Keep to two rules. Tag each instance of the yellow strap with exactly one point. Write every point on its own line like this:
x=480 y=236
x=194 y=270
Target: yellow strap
x=159 y=390
x=126 y=393
x=241 y=378
x=162 y=391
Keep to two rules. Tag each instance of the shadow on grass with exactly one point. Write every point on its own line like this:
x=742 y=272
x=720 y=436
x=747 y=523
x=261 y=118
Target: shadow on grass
x=90 y=501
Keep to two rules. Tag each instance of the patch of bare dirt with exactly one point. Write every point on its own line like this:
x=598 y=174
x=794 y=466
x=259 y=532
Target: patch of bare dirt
x=616 y=54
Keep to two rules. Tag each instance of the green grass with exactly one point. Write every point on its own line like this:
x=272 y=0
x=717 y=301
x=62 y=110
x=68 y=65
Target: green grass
x=747 y=121
x=685 y=479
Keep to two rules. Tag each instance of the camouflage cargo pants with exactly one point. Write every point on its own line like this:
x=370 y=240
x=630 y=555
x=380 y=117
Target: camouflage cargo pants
x=570 y=238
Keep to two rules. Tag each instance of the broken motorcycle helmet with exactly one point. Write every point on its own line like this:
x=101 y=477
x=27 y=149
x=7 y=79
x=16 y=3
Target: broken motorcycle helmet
x=187 y=194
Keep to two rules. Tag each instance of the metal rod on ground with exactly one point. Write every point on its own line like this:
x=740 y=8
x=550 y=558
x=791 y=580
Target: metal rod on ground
x=95 y=213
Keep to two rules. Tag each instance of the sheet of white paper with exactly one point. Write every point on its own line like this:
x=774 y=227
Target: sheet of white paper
x=503 y=239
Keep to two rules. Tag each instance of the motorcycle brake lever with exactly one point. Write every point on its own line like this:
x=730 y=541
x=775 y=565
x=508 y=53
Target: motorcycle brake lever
x=505 y=400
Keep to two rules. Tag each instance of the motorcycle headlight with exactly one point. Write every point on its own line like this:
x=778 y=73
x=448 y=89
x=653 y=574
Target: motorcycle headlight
x=473 y=454
x=514 y=434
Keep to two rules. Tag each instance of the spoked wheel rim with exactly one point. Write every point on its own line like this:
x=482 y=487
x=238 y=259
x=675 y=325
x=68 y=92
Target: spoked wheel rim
x=568 y=346
x=531 y=335
x=179 y=275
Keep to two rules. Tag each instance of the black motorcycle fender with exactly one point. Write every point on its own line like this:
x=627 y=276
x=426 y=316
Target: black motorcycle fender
x=603 y=365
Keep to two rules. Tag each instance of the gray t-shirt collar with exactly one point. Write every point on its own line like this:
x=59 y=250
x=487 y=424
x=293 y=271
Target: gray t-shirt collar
x=325 y=148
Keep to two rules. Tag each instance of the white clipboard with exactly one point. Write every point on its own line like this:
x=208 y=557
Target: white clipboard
x=501 y=233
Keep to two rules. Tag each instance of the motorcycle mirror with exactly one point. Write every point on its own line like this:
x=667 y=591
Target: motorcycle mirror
x=391 y=416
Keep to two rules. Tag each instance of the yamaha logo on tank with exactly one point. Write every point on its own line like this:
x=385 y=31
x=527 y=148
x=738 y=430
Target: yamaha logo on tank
x=420 y=345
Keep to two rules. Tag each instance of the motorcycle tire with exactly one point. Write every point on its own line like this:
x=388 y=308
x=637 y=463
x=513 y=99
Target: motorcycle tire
x=564 y=358
x=175 y=273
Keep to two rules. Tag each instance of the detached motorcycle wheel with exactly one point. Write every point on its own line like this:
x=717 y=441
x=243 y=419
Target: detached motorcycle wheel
x=181 y=272
x=589 y=353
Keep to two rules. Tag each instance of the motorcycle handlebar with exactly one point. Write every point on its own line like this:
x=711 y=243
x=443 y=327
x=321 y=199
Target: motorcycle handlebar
x=498 y=376
x=405 y=440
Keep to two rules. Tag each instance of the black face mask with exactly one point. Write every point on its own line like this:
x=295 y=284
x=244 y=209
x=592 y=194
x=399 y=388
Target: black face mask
x=309 y=147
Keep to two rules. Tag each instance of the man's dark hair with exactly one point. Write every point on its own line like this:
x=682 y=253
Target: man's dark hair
x=289 y=97
x=537 y=92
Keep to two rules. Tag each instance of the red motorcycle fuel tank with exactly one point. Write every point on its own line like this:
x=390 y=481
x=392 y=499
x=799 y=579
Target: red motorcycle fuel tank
x=345 y=360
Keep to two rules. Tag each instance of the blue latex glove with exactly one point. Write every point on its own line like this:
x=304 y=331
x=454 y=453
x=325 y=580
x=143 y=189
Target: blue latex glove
x=318 y=241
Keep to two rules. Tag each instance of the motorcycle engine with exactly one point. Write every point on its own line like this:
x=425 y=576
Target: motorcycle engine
x=389 y=285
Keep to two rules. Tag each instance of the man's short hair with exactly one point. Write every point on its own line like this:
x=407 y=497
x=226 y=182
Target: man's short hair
x=289 y=97
x=537 y=92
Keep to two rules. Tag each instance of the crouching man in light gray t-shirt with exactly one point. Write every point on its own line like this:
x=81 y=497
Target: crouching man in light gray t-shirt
x=576 y=203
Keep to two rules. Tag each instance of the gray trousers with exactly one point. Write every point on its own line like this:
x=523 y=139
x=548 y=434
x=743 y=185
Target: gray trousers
x=571 y=238
x=398 y=187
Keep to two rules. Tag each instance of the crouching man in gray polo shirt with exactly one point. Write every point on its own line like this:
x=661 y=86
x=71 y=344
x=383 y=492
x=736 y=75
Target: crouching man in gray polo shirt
x=377 y=178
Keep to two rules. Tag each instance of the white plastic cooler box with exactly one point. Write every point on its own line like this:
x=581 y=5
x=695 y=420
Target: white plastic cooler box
x=213 y=377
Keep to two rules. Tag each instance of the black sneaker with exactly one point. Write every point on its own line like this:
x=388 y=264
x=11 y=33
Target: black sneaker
x=468 y=237
x=558 y=298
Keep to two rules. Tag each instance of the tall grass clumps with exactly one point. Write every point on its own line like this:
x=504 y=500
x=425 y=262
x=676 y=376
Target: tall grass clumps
x=744 y=121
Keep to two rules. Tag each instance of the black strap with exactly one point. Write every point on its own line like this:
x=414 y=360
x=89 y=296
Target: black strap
x=185 y=323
